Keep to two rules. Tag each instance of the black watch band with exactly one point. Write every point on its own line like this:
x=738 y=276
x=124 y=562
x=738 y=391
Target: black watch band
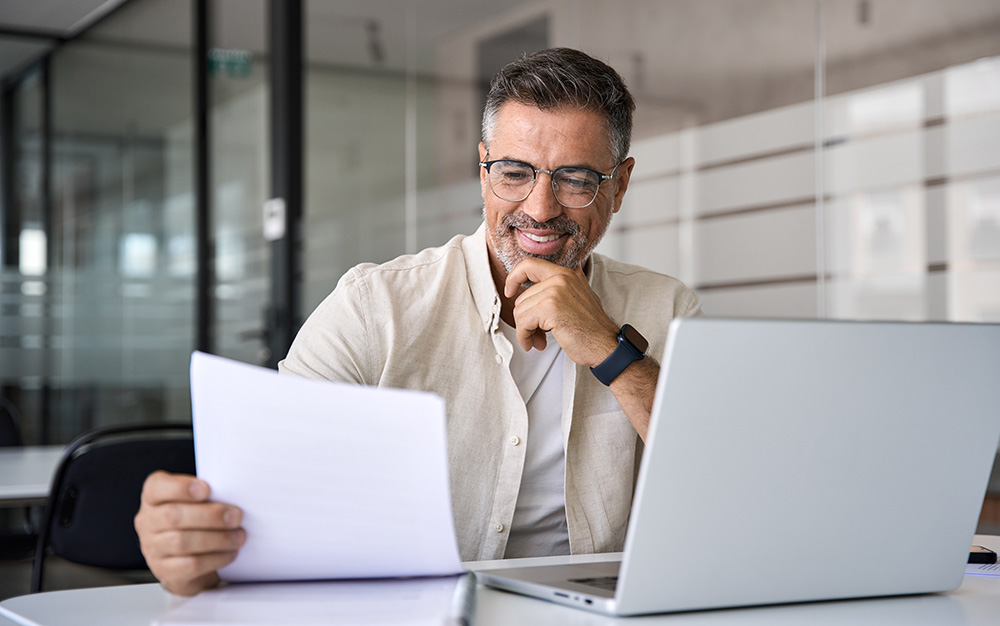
x=631 y=347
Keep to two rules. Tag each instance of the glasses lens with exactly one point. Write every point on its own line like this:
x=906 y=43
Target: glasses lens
x=575 y=187
x=510 y=180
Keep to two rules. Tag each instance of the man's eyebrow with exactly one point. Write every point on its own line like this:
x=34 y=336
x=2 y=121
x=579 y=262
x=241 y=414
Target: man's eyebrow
x=583 y=166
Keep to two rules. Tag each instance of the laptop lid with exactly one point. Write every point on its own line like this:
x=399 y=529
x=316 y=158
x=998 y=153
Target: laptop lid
x=792 y=461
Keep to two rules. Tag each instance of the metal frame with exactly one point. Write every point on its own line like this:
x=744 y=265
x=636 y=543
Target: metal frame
x=10 y=221
x=285 y=34
x=204 y=265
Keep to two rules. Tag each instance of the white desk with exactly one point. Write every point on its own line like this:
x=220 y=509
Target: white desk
x=975 y=603
x=25 y=473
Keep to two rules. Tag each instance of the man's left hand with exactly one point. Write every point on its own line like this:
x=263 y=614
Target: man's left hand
x=560 y=301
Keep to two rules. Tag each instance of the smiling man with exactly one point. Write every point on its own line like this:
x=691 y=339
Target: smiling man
x=543 y=351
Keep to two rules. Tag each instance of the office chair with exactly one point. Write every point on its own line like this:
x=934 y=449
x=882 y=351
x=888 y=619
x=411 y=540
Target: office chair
x=18 y=544
x=96 y=490
x=10 y=427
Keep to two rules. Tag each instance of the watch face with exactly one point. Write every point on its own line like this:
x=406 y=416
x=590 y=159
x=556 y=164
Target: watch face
x=634 y=338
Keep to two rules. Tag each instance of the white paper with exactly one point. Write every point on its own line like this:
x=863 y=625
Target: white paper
x=334 y=480
x=991 y=570
x=413 y=601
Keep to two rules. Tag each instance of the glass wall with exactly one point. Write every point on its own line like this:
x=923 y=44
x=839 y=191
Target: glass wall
x=240 y=174
x=106 y=284
x=24 y=290
x=793 y=159
x=913 y=211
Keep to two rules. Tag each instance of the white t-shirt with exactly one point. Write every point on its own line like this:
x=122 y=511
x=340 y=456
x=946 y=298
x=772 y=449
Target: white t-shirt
x=539 y=526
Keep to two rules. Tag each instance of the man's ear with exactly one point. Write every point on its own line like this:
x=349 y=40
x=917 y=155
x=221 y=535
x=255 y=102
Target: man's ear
x=621 y=182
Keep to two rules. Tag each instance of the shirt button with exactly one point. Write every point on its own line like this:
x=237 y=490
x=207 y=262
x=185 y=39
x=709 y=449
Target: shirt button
x=499 y=527
x=499 y=359
x=514 y=441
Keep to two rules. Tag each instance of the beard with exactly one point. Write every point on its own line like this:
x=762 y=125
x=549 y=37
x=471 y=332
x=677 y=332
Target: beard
x=573 y=254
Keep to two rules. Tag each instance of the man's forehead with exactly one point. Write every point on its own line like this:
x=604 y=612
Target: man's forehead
x=582 y=132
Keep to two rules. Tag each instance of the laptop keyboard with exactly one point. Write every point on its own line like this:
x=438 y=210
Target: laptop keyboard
x=608 y=583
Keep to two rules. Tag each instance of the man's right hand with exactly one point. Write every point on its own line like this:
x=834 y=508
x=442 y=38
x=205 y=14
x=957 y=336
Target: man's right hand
x=184 y=537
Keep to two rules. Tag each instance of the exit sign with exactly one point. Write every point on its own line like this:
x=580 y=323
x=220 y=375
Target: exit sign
x=232 y=63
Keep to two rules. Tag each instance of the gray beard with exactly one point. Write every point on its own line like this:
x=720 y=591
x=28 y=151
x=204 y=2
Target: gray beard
x=510 y=254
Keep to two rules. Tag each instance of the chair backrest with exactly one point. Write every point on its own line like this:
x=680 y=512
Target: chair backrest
x=96 y=490
x=10 y=427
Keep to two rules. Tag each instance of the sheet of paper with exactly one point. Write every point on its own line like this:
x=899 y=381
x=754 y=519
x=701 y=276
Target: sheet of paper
x=412 y=601
x=991 y=570
x=335 y=480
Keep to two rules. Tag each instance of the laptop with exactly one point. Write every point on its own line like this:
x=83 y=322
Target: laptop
x=796 y=461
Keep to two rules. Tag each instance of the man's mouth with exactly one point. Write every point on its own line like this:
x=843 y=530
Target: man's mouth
x=541 y=238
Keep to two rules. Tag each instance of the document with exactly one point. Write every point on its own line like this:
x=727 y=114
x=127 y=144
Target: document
x=411 y=602
x=334 y=480
x=990 y=570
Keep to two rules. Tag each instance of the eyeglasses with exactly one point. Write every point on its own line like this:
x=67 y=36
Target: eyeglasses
x=573 y=187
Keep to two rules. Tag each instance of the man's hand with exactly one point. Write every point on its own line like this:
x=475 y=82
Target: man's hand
x=184 y=537
x=562 y=302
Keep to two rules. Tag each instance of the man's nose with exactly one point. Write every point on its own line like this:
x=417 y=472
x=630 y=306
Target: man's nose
x=541 y=204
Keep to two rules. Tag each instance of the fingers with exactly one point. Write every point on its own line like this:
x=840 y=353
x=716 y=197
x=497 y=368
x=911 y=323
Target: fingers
x=179 y=502
x=188 y=577
x=530 y=338
x=184 y=543
x=186 y=562
x=529 y=270
x=562 y=302
x=188 y=516
x=184 y=537
x=162 y=487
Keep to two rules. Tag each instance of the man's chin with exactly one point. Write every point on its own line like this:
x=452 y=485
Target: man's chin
x=557 y=259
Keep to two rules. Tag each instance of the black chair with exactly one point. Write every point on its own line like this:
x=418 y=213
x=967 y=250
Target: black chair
x=10 y=427
x=96 y=490
x=17 y=531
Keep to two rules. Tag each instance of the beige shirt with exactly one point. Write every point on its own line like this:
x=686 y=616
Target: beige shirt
x=430 y=321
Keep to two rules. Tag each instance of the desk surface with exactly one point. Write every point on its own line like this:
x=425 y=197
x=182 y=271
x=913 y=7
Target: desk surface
x=975 y=603
x=25 y=473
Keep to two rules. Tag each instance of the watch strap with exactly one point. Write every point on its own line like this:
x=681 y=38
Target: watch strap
x=624 y=355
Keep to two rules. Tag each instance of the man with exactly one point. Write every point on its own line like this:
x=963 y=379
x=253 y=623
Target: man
x=531 y=340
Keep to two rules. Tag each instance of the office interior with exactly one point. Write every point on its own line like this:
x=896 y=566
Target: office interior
x=794 y=158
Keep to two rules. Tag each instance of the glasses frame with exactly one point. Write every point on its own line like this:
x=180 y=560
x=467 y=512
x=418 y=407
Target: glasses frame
x=552 y=180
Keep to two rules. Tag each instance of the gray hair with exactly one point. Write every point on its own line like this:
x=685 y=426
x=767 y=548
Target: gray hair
x=557 y=77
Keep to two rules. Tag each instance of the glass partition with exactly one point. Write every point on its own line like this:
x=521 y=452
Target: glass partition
x=107 y=285
x=912 y=117
x=240 y=170
x=24 y=286
x=395 y=95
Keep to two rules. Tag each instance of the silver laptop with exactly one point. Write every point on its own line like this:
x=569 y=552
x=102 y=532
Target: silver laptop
x=794 y=461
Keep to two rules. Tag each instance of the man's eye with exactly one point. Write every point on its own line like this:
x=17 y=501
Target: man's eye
x=576 y=183
x=515 y=177
x=576 y=177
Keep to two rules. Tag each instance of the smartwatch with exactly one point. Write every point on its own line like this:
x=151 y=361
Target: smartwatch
x=631 y=347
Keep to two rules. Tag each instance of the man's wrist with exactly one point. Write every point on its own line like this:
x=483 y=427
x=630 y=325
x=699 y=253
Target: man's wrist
x=631 y=347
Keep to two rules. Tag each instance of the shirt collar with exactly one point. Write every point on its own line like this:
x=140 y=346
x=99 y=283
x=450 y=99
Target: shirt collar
x=477 y=267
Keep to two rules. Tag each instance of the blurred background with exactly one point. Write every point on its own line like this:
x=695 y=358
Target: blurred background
x=795 y=158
